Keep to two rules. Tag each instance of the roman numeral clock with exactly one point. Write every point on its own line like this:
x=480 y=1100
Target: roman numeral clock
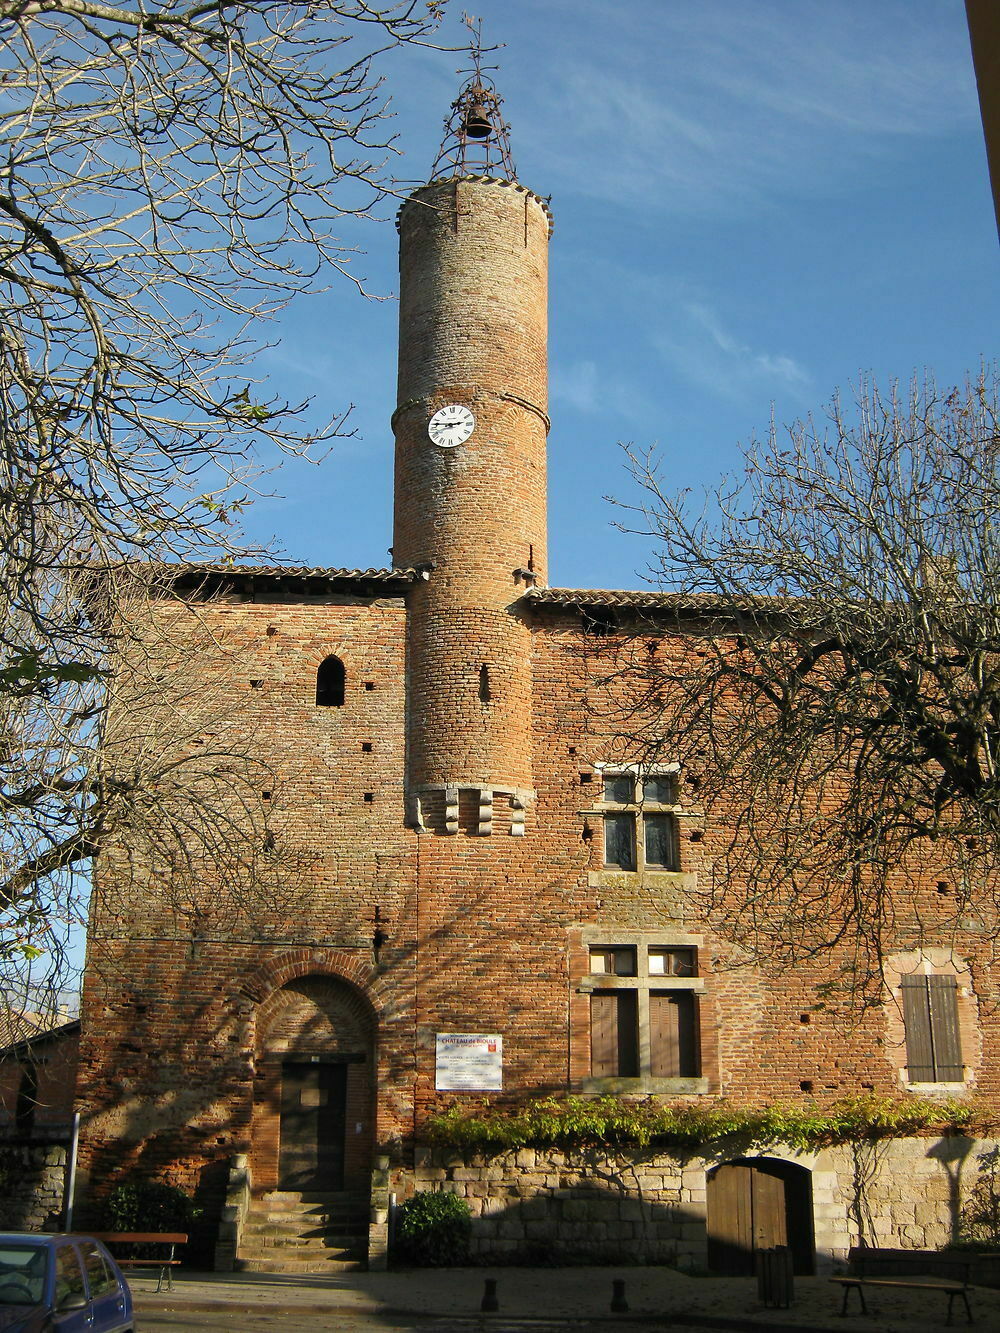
x=451 y=425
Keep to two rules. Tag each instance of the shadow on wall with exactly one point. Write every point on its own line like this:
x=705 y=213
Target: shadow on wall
x=639 y=1213
x=588 y=1224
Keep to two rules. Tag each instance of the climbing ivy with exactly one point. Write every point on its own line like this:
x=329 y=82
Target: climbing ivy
x=612 y=1123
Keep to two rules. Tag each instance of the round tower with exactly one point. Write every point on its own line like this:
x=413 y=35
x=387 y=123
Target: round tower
x=470 y=493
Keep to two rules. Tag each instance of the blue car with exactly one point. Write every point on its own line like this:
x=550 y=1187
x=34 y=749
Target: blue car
x=61 y=1284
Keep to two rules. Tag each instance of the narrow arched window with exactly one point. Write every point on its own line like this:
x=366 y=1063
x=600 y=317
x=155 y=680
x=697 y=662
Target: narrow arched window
x=330 y=683
x=27 y=1100
x=485 y=694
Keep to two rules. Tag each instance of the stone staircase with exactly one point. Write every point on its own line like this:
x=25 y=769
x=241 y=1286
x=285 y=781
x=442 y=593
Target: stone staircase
x=286 y=1232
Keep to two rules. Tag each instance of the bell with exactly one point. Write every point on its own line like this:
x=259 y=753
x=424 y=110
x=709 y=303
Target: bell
x=477 y=124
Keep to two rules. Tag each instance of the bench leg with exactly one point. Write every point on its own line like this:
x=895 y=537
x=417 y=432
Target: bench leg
x=848 y=1288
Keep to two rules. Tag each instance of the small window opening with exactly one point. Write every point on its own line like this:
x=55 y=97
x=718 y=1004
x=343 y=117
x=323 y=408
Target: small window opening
x=484 y=684
x=599 y=620
x=265 y=796
x=572 y=750
x=618 y=962
x=27 y=1100
x=256 y=684
x=366 y=747
x=806 y=1085
x=330 y=679
x=586 y=777
x=369 y=684
x=369 y=796
x=804 y=1018
x=942 y=888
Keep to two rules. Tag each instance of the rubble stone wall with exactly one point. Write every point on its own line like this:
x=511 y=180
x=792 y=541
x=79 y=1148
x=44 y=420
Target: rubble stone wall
x=898 y=1194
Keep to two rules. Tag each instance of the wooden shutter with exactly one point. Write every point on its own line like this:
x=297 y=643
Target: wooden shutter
x=917 y=1023
x=604 y=1034
x=942 y=1004
x=930 y=1017
x=673 y=1034
x=614 y=1034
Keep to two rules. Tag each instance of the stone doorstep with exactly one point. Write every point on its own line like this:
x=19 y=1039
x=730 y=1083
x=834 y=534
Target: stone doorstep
x=303 y=1266
x=269 y=1231
x=291 y=1224
x=300 y=1206
x=332 y=1241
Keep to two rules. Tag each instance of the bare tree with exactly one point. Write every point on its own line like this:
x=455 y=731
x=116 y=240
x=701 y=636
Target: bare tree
x=171 y=174
x=837 y=703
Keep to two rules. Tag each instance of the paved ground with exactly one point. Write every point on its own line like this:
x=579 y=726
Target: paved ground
x=542 y=1300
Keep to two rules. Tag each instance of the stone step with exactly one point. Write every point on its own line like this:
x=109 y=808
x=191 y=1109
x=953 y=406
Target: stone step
x=308 y=1221
x=311 y=1265
x=290 y=1199
x=322 y=1240
x=318 y=1254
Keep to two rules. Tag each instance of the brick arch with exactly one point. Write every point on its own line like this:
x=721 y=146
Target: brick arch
x=324 y=1021
x=350 y=967
x=316 y=1014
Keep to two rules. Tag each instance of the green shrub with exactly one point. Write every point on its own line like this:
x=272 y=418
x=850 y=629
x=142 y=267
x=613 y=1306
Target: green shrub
x=619 y=1124
x=432 y=1230
x=148 y=1205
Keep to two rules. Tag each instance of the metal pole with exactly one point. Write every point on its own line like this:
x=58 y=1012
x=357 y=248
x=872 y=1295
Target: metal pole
x=69 y=1188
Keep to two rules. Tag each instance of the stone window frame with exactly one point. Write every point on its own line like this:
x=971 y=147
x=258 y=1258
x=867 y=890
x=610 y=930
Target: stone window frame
x=637 y=809
x=940 y=962
x=642 y=983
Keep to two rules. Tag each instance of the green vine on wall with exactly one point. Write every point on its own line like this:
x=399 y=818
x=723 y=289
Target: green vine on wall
x=611 y=1123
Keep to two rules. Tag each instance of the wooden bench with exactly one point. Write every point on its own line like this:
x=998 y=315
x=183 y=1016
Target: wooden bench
x=166 y=1262
x=919 y=1270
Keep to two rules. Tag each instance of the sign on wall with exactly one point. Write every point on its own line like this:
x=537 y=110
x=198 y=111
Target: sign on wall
x=469 y=1062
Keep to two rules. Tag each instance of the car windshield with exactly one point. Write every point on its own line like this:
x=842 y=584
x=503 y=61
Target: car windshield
x=22 y=1274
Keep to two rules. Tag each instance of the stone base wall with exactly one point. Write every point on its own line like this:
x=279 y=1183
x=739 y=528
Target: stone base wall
x=32 y=1178
x=541 y=1206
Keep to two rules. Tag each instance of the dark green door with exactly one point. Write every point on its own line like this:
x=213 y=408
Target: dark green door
x=313 y=1125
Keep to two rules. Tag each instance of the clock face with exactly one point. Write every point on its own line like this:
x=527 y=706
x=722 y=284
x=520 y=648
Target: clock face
x=451 y=425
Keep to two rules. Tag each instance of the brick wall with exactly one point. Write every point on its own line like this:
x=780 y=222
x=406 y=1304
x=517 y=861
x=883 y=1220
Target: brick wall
x=473 y=327
x=352 y=926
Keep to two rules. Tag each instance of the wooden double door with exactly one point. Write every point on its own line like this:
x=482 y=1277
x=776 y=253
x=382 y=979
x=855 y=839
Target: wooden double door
x=755 y=1204
x=313 y=1126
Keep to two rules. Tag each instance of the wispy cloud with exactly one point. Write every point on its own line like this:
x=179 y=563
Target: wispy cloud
x=738 y=101
x=701 y=350
x=600 y=391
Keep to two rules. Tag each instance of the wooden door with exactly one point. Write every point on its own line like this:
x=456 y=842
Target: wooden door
x=750 y=1205
x=313 y=1124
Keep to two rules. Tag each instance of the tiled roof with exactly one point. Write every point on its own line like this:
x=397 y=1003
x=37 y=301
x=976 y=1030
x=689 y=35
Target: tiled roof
x=656 y=601
x=24 y=1029
x=308 y=573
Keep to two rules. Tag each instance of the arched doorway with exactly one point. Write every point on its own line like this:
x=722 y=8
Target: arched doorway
x=314 y=1098
x=754 y=1204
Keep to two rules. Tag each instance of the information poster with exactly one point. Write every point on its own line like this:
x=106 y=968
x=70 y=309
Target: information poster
x=469 y=1062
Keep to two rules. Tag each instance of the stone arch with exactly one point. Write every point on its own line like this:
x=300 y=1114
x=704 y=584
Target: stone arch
x=755 y=1203
x=314 y=1102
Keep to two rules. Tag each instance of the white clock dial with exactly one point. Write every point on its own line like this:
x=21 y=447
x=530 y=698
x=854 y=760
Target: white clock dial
x=451 y=425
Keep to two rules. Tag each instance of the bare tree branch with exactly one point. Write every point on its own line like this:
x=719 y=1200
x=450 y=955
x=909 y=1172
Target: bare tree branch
x=839 y=707
x=172 y=173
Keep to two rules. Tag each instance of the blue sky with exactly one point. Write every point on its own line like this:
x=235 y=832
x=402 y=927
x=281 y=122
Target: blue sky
x=754 y=204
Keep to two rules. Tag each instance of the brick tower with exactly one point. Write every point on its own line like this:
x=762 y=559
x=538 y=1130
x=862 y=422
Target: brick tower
x=470 y=494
